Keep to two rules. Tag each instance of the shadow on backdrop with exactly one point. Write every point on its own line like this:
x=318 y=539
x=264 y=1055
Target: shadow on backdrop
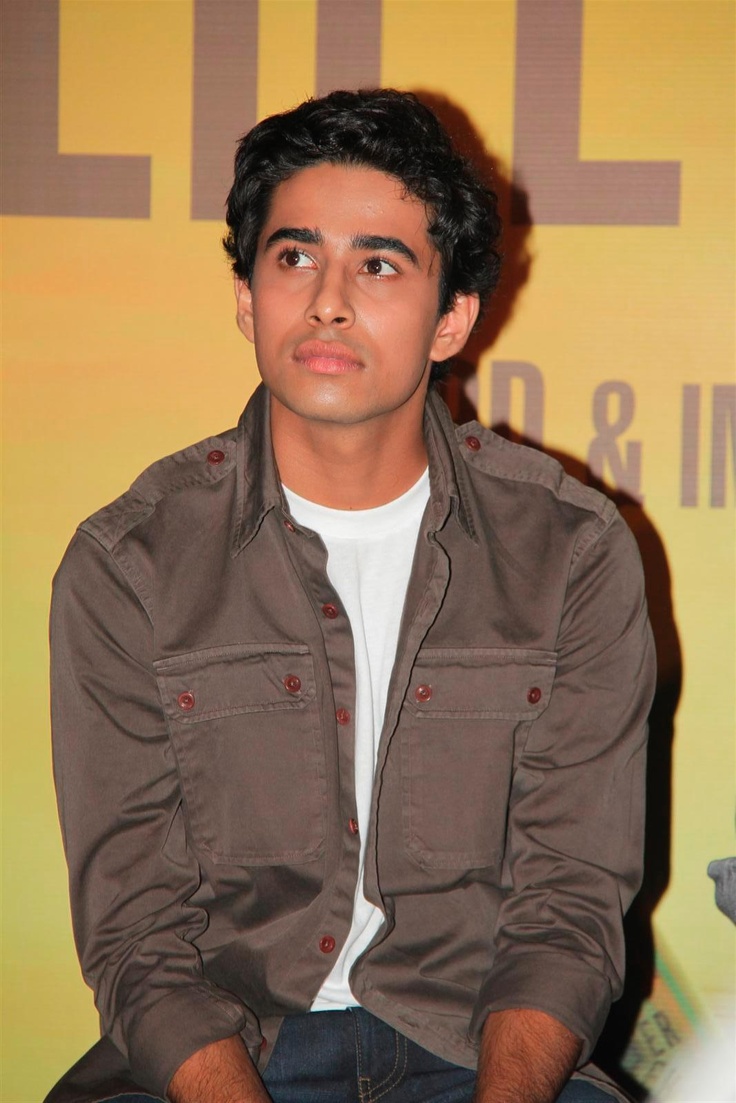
x=517 y=260
x=460 y=391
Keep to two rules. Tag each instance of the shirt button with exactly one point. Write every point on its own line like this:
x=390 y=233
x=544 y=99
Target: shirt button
x=292 y=683
x=330 y=611
x=534 y=695
x=423 y=693
x=185 y=701
x=327 y=944
x=472 y=443
x=342 y=716
x=288 y=525
x=353 y=825
x=215 y=457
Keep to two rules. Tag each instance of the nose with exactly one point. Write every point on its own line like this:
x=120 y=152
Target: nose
x=330 y=304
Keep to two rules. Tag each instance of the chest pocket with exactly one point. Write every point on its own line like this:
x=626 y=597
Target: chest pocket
x=244 y=725
x=463 y=712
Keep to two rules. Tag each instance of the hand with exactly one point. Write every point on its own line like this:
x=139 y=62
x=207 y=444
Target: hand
x=221 y=1072
x=525 y=1057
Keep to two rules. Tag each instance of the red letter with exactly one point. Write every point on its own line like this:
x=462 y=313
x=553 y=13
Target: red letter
x=348 y=44
x=225 y=93
x=225 y=79
x=36 y=178
x=561 y=188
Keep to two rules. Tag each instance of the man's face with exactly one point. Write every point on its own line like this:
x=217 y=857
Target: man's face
x=342 y=306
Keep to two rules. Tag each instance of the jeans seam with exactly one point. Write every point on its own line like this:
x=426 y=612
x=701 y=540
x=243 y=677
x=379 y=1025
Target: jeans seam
x=386 y=1079
x=396 y=1075
x=364 y=1082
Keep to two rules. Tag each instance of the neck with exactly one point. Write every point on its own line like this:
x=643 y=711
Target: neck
x=348 y=466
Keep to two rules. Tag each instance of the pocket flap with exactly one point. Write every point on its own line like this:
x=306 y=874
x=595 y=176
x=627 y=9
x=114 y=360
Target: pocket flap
x=237 y=678
x=494 y=683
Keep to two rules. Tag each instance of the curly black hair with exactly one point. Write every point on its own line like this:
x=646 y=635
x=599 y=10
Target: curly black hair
x=392 y=132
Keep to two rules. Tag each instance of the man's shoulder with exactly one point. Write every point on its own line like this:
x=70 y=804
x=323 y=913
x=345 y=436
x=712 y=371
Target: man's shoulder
x=518 y=465
x=196 y=467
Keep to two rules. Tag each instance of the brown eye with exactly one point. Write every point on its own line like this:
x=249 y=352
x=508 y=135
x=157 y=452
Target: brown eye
x=377 y=266
x=291 y=257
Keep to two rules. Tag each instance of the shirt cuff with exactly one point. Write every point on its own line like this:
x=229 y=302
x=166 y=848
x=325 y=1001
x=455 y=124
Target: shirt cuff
x=542 y=980
x=181 y=1023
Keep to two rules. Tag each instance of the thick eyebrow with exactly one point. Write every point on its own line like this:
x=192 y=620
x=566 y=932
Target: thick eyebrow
x=376 y=242
x=385 y=244
x=295 y=233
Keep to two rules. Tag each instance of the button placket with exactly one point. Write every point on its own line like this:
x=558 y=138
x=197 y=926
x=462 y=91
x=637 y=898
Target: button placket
x=310 y=562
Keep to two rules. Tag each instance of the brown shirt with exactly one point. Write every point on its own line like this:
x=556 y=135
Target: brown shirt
x=202 y=696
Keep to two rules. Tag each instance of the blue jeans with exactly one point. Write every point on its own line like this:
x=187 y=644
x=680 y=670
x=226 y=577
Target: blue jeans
x=353 y=1057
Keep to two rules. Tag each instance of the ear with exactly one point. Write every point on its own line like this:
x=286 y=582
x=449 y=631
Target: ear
x=454 y=327
x=244 y=315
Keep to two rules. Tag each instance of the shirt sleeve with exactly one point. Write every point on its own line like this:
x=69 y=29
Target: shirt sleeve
x=575 y=833
x=131 y=872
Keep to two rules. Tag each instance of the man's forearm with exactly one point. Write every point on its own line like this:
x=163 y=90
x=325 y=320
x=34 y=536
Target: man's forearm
x=525 y=1057
x=221 y=1072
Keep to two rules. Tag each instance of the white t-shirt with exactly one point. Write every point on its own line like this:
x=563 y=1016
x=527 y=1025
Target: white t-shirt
x=369 y=558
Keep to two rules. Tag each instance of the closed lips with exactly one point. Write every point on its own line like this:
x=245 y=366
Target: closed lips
x=333 y=352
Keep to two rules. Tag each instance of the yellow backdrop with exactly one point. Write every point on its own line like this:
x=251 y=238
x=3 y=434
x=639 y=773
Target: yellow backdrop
x=613 y=345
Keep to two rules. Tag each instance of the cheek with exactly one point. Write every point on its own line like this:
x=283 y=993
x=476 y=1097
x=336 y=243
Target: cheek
x=269 y=316
x=405 y=321
x=413 y=335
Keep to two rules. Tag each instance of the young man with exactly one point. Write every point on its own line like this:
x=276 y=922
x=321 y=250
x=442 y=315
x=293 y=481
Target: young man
x=349 y=703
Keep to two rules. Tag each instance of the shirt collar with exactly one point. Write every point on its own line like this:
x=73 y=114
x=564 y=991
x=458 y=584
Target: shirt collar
x=447 y=479
x=259 y=487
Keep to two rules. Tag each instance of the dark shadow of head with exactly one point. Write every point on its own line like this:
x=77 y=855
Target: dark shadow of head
x=517 y=259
